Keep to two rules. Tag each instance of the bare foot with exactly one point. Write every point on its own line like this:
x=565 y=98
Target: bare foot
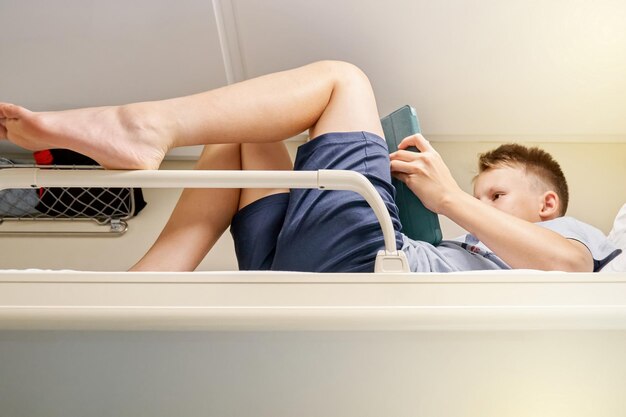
x=125 y=137
x=3 y=130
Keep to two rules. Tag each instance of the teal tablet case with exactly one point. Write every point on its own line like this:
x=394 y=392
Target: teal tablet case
x=418 y=222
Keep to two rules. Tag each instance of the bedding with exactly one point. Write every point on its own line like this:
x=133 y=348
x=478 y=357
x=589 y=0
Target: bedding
x=618 y=237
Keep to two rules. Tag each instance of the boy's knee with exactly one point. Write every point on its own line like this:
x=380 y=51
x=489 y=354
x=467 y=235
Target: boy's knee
x=345 y=73
x=351 y=103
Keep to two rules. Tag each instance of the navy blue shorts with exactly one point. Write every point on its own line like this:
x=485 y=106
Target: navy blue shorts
x=315 y=230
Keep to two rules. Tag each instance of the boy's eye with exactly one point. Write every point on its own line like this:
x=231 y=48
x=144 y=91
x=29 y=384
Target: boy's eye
x=496 y=196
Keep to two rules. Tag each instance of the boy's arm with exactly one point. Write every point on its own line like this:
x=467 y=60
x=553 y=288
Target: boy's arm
x=519 y=243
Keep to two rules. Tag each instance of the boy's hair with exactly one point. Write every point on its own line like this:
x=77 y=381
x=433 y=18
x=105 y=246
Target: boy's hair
x=533 y=160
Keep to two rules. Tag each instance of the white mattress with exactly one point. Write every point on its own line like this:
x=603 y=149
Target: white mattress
x=302 y=301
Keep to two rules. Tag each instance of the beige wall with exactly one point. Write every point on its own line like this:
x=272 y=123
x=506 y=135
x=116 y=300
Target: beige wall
x=596 y=174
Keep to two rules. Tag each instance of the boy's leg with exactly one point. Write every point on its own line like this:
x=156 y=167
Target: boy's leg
x=199 y=219
x=336 y=231
x=263 y=157
x=256 y=226
x=203 y=214
x=323 y=97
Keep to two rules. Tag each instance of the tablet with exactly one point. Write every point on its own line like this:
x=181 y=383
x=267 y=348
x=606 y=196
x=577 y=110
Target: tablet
x=418 y=222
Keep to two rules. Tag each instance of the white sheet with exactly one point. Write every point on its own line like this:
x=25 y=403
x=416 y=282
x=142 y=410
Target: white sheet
x=618 y=237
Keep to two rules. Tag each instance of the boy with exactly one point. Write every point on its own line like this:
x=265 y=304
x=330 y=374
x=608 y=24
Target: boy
x=528 y=184
x=308 y=230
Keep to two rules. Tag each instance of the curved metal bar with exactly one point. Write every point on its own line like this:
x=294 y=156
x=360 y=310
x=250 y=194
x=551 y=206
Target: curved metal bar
x=323 y=179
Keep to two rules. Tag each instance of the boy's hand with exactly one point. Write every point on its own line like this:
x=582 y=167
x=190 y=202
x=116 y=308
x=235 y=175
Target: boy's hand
x=424 y=173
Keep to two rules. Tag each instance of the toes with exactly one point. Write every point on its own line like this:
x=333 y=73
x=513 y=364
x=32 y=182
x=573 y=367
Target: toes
x=5 y=108
x=11 y=111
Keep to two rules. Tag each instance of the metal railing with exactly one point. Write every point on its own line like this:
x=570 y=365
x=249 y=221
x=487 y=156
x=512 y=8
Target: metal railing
x=388 y=260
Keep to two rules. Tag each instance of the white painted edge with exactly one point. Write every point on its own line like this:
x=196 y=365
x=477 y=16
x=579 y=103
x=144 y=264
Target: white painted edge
x=229 y=40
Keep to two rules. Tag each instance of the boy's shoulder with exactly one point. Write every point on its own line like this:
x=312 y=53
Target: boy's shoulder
x=568 y=225
x=598 y=244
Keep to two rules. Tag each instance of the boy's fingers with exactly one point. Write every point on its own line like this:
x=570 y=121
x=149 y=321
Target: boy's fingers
x=406 y=142
x=416 y=140
x=399 y=166
x=422 y=144
x=402 y=155
x=400 y=175
x=3 y=129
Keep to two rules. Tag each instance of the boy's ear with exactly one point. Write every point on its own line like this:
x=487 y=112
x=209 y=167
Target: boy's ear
x=550 y=206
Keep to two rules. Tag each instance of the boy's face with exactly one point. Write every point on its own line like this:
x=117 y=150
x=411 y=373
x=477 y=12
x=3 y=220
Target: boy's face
x=512 y=190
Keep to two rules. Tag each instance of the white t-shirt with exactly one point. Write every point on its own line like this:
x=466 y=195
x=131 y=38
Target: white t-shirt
x=469 y=254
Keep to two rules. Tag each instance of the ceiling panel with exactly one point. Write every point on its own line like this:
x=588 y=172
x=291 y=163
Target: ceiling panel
x=473 y=68
x=71 y=53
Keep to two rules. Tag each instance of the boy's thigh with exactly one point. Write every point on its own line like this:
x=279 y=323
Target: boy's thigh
x=352 y=105
x=263 y=157
x=336 y=231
